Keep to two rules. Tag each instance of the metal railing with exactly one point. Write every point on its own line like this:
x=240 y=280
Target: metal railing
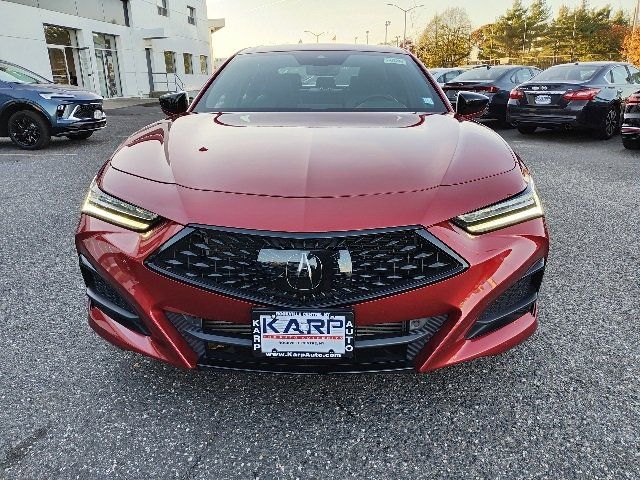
x=171 y=81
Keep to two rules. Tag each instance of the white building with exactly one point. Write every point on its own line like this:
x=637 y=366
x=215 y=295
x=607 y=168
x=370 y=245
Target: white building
x=117 y=48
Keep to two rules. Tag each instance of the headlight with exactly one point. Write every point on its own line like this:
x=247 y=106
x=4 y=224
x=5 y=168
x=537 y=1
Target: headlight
x=105 y=207
x=520 y=208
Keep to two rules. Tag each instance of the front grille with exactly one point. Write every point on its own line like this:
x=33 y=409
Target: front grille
x=306 y=270
x=232 y=346
x=85 y=110
x=365 y=332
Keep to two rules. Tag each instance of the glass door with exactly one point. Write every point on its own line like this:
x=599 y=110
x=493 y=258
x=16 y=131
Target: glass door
x=59 y=68
x=64 y=55
x=107 y=62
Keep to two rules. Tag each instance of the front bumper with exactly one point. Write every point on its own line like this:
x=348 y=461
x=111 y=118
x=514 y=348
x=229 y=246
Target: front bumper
x=161 y=316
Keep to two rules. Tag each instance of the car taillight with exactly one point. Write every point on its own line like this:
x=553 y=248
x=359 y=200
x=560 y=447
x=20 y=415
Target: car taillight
x=516 y=94
x=492 y=89
x=633 y=99
x=583 y=94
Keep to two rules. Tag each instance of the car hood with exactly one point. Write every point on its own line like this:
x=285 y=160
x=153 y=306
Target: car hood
x=79 y=93
x=324 y=155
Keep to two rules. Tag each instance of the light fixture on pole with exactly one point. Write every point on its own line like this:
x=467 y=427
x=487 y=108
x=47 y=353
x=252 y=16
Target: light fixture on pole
x=367 y=32
x=317 y=35
x=386 y=30
x=405 y=10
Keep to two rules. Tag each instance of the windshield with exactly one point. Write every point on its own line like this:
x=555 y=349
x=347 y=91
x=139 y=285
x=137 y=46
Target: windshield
x=14 y=74
x=481 y=73
x=321 y=81
x=571 y=73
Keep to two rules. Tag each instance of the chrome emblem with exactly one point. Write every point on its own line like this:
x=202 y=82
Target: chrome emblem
x=304 y=271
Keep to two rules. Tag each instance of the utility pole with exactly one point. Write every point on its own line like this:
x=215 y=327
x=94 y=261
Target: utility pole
x=405 y=10
x=317 y=35
x=524 y=37
x=635 y=15
x=367 y=32
x=397 y=40
x=355 y=40
x=386 y=29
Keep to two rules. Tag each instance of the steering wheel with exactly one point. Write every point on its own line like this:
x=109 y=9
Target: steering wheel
x=380 y=96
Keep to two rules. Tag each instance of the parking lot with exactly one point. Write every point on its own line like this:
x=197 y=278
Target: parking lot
x=565 y=404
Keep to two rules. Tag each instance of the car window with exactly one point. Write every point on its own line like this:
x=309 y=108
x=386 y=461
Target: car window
x=482 y=73
x=634 y=74
x=568 y=73
x=520 y=75
x=321 y=81
x=619 y=75
x=452 y=75
x=14 y=74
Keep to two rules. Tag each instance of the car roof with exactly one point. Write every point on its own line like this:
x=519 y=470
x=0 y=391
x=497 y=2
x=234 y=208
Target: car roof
x=595 y=64
x=301 y=47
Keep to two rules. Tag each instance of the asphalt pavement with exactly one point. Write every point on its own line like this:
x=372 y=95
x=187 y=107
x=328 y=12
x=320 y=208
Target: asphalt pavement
x=563 y=405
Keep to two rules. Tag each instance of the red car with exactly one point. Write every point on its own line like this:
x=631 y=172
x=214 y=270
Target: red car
x=315 y=209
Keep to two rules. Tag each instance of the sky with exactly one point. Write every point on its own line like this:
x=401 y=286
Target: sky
x=266 y=22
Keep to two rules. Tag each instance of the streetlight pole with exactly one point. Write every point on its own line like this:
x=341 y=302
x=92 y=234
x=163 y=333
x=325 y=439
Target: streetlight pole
x=317 y=35
x=355 y=40
x=367 y=32
x=397 y=40
x=405 y=10
x=386 y=30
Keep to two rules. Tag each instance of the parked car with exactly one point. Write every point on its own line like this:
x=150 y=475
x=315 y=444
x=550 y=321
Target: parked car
x=444 y=75
x=496 y=82
x=583 y=95
x=631 y=122
x=32 y=109
x=295 y=224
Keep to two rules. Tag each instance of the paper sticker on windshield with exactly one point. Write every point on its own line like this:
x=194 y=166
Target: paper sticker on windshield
x=427 y=101
x=396 y=60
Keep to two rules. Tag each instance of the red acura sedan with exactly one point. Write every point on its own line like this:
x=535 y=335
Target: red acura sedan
x=315 y=209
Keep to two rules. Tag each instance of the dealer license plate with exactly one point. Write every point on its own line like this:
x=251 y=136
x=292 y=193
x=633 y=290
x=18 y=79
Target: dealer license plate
x=298 y=334
x=543 y=100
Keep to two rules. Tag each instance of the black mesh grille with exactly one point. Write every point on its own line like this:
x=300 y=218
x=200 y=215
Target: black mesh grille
x=86 y=110
x=524 y=289
x=106 y=291
x=265 y=267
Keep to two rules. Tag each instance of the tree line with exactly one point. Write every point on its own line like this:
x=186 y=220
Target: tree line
x=530 y=35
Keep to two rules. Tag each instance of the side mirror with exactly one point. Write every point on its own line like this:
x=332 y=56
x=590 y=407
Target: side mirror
x=471 y=104
x=174 y=104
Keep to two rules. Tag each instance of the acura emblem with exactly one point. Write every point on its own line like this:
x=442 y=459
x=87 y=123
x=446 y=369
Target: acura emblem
x=304 y=271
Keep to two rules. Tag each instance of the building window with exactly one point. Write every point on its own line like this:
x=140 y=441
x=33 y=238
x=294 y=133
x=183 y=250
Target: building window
x=191 y=18
x=170 y=62
x=188 y=62
x=162 y=8
x=204 y=65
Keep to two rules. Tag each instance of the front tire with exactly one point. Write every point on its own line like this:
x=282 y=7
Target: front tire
x=609 y=125
x=527 y=129
x=631 y=143
x=79 y=135
x=29 y=130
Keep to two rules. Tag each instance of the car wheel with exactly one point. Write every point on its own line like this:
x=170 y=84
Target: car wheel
x=29 y=130
x=631 y=143
x=79 y=135
x=610 y=124
x=527 y=129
